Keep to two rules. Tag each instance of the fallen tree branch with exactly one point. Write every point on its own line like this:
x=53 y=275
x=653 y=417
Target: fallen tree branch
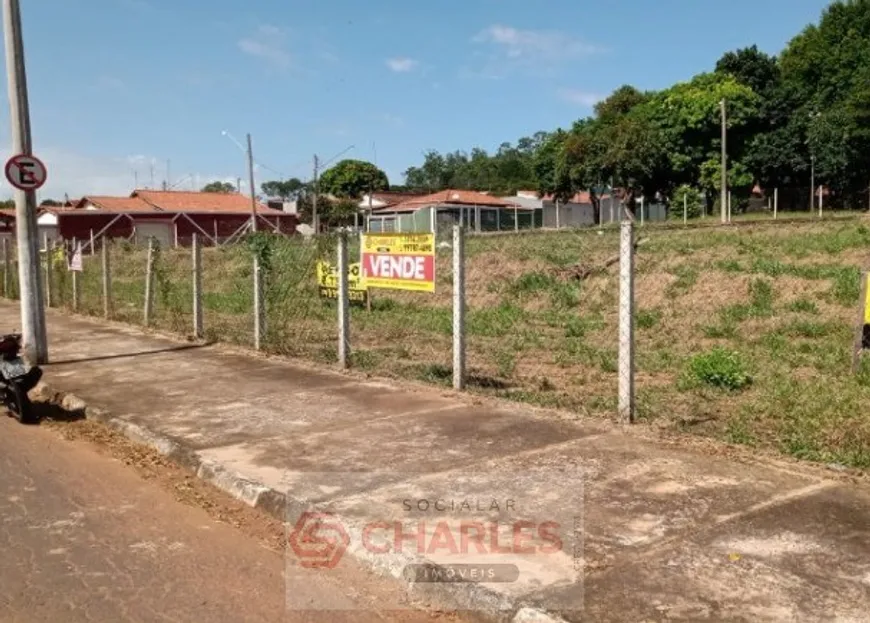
x=579 y=272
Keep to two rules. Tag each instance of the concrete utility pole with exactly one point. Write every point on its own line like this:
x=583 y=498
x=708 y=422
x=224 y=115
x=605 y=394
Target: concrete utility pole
x=724 y=198
x=30 y=288
x=253 y=190
x=314 y=222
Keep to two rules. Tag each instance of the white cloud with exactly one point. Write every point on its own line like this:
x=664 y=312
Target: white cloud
x=533 y=49
x=580 y=97
x=402 y=64
x=268 y=44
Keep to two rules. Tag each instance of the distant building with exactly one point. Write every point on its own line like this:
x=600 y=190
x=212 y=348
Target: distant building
x=171 y=217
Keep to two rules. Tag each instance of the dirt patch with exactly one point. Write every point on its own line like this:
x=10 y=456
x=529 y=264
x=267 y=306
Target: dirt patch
x=184 y=486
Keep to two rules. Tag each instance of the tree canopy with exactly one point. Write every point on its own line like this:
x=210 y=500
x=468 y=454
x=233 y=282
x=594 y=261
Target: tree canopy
x=350 y=179
x=809 y=104
x=218 y=187
x=284 y=189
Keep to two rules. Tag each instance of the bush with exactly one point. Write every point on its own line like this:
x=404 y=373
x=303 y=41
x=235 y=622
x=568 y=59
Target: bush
x=693 y=203
x=720 y=368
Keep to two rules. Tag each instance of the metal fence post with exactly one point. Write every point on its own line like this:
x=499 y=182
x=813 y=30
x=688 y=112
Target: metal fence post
x=7 y=266
x=458 y=307
x=197 y=288
x=75 y=279
x=343 y=303
x=258 y=304
x=626 y=322
x=685 y=208
x=149 y=284
x=49 y=247
x=107 y=281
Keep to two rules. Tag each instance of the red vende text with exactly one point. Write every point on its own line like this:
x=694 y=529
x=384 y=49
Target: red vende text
x=409 y=267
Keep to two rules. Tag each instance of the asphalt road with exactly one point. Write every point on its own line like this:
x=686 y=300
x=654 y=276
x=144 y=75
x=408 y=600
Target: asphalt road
x=89 y=534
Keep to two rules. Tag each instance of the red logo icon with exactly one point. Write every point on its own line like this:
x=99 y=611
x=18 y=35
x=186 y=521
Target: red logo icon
x=319 y=540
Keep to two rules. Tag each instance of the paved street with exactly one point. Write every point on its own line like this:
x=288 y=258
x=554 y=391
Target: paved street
x=84 y=537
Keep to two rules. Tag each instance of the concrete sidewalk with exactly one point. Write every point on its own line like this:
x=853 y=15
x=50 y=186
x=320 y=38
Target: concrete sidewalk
x=648 y=532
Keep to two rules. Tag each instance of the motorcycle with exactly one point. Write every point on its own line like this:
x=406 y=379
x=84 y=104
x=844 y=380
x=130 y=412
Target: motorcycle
x=17 y=378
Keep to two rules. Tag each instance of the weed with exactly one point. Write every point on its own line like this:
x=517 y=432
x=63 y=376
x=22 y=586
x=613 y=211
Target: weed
x=506 y=361
x=730 y=266
x=807 y=329
x=847 y=286
x=493 y=322
x=648 y=318
x=726 y=330
x=530 y=283
x=366 y=359
x=803 y=306
x=720 y=368
x=687 y=276
x=435 y=373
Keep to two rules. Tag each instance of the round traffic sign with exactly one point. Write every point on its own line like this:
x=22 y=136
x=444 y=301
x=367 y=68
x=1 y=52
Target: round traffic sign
x=25 y=172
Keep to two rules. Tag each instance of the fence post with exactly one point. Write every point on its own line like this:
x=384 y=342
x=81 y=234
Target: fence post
x=6 y=268
x=107 y=281
x=93 y=251
x=49 y=247
x=641 y=211
x=458 y=307
x=626 y=322
x=343 y=303
x=258 y=304
x=197 y=288
x=149 y=283
x=775 y=201
x=75 y=279
x=685 y=209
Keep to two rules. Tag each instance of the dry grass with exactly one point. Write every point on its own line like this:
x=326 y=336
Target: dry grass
x=783 y=299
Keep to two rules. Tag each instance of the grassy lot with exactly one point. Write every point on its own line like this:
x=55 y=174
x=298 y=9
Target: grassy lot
x=743 y=333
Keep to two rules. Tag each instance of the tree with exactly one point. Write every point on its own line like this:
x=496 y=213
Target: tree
x=219 y=187
x=350 y=179
x=285 y=189
x=50 y=203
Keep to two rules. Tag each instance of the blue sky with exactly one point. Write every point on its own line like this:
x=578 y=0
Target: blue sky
x=119 y=85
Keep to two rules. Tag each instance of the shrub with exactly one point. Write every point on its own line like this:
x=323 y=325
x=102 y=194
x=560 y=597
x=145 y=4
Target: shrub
x=720 y=368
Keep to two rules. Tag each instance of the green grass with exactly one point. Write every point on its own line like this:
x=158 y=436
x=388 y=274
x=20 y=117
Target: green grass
x=765 y=364
x=720 y=368
x=803 y=306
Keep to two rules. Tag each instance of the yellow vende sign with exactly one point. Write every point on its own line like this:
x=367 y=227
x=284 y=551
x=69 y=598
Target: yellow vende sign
x=399 y=261
x=327 y=280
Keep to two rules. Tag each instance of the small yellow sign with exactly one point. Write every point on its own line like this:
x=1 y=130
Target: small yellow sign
x=867 y=300
x=327 y=280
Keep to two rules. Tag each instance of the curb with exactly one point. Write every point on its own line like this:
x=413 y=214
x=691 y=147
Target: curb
x=479 y=601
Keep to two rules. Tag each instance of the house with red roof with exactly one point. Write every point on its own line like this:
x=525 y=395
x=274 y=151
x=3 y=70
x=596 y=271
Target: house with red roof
x=171 y=217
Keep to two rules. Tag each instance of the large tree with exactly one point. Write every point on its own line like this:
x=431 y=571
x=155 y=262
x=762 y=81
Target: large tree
x=219 y=187
x=285 y=189
x=352 y=178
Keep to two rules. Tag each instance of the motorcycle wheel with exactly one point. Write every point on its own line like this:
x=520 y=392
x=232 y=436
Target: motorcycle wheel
x=21 y=405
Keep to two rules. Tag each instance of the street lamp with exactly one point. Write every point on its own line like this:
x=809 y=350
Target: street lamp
x=250 y=154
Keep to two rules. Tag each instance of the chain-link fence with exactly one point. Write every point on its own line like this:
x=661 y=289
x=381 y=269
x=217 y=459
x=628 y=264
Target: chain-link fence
x=728 y=322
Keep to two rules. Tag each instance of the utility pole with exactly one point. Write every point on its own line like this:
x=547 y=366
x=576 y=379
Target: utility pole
x=314 y=221
x=239 y=185
x=30 y=289
x=724 y=198
x=253 y=190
